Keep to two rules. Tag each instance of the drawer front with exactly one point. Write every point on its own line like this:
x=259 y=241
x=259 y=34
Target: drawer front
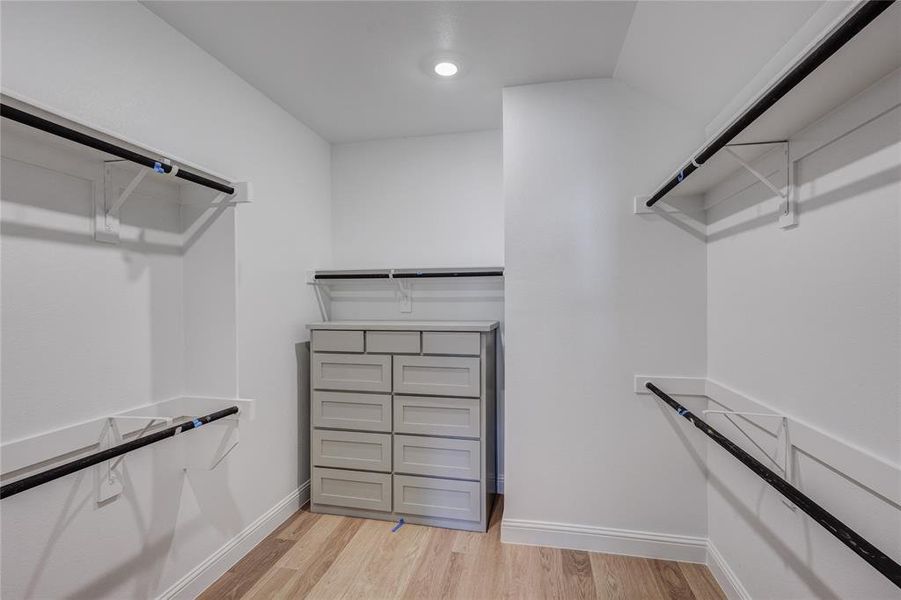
x=437 y=497
x=347 y=410
x=451 y=342
x=352 y=450
x=397 y=342
x=439 y=457
x=429 y=415
x=437 y=375
x=354 y=372
x=353 y=489
x=324 y=340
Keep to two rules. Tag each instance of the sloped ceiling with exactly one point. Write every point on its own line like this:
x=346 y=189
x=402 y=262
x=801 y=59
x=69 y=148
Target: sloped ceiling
x=360 y=70
x=697 y=56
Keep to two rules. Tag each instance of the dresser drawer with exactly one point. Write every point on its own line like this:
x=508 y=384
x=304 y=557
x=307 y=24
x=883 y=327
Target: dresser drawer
x=438 y=457
x=430 y=415
x=397 y=342
x=354 y=372
x=437 y=497
x=451 y=342
x=349 y=410
x=324 y=340
x=353 y=489
x=437 y=375
x=351 y=450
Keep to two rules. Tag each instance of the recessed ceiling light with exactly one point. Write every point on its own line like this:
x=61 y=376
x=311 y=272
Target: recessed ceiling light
x=446 y=69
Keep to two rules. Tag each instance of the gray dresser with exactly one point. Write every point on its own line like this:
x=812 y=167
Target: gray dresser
x=403 y=420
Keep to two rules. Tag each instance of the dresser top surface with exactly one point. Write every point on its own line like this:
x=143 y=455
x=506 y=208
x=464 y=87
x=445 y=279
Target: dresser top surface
x=406 y=325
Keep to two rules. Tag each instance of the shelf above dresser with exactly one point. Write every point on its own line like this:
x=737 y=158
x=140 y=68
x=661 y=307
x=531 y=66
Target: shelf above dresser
x=406 y=325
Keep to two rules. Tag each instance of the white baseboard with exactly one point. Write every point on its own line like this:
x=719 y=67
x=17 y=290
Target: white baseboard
x=724 y=575
x=602 y=539
x=661 y=546
x=203 y=575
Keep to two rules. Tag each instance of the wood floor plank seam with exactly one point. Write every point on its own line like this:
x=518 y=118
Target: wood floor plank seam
x=329 y=557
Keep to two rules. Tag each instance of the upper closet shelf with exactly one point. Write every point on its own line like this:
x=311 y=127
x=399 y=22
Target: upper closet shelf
x=853 y=55
x=112 y=150
x=402 y=278
x=322 y=275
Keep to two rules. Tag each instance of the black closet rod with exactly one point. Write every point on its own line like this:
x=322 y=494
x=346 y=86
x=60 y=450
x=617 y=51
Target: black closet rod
x=448 y=274
x=860 y=19
x=415 y=275
x=68 y=468
x=31 y=120
x=878 y=559
x=351 y=276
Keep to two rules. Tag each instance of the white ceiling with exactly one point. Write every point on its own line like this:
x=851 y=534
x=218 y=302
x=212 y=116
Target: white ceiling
x=359 y=70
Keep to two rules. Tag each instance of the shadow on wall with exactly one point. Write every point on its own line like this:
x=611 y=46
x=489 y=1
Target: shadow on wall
x=849 y=191
x=756 y=207
x=156 y=536
x=93 y=329
x=302 y=351
x=750 y=516
x=52 y=198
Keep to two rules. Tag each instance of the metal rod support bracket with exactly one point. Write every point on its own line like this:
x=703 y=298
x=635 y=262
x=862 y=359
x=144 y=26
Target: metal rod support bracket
x=858 y=544
x=107 y=475
x=404 y=293
x=117 y=204
x=760 y=176
x=782 y=458
x=787 y=214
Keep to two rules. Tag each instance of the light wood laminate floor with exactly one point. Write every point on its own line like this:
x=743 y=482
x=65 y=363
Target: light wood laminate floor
x=330 y=557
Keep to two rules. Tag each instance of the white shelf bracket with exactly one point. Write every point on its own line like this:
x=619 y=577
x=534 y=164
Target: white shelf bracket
x=782 y=458
x=117 y=205
x=760 y=176
x=787 y=216
x=107 y=475
x=404 y=293
x=107 y=204
x=231 y=436
x=323 y=308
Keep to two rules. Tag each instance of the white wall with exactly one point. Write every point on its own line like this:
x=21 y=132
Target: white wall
x=427 y=201
x=595 y=295
x=808 y=320
x=118 y=66
x=432 y=201
x=61 y=341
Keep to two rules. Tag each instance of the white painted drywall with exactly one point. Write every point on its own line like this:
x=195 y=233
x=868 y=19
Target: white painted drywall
x=808 y=320
x=88 y=329
x=118 y=66
x=432 y=201
x=594 y=295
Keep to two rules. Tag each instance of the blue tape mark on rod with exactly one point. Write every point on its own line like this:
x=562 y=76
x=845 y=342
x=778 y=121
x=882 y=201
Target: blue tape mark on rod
x=197 y=422
x=400 y=523
x=158 y=167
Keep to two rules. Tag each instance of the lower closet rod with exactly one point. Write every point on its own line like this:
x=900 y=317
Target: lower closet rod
x=98 y=457
x=870 y=553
